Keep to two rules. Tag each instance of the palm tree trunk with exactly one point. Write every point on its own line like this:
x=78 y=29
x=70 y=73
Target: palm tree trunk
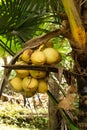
x=82 y=117
x=80 y=68
x=53 y=123
x=80 y=58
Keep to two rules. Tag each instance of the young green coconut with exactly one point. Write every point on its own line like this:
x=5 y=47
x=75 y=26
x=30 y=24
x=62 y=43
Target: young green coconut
x=52 y=55
x=30 y=84
x=16 y=84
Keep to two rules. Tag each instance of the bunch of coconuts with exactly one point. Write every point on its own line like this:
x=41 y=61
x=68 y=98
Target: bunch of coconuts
x=30 y=82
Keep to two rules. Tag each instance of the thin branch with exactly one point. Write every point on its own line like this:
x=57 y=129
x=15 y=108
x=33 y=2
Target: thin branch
x=43 y=39
x=57 y=82
x=83 y=2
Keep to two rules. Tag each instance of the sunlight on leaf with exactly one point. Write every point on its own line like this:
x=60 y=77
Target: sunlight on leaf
x=73 y=127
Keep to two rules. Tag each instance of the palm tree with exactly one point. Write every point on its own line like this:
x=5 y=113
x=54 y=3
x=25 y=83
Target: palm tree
x=21 y=20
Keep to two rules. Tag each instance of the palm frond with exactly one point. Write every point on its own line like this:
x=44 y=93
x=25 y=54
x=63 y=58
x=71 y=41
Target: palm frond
x=5 y=47
x=57 y=9
x=20 y=19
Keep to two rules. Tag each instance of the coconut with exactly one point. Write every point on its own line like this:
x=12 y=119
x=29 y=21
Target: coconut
x=42 y=86
x=30 y=84
x=52 y=55
x=20 y=58
x=22 y=73
x=16 y=84
x=26 y=55
x=38 y=74
x=38 y=58
x=28 y=94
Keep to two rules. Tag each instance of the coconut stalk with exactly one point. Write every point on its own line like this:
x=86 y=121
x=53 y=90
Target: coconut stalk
x=75 y=22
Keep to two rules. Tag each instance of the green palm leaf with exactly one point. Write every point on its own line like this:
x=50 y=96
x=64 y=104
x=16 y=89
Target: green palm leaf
x=19 y=21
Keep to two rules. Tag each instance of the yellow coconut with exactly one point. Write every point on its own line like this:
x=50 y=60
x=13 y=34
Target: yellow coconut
x=38 y=74
x=20 y=58
x=22 y=73
x=52 y=55
x=38 y=58
x=30 y=84
x=42 y=86
x=16 y=84
x=26 y=55
x=28 y=94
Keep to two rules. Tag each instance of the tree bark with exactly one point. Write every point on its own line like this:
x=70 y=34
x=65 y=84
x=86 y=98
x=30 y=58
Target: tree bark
x=53 y=123
x=80 y=58
x=80 y=68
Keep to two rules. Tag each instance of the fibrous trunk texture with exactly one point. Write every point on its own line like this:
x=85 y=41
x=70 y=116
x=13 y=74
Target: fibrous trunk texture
x=80 y=58
x=80 y=68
